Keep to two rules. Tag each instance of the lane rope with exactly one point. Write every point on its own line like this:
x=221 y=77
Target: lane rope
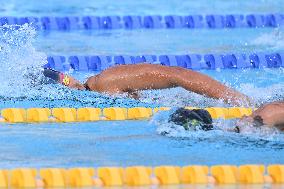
x=89 y=114
x=189 y=61
x=142 y=176
x=210 y=21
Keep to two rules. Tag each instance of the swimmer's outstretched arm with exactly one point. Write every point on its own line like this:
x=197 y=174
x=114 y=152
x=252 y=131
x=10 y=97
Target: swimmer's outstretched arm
x=205 y=85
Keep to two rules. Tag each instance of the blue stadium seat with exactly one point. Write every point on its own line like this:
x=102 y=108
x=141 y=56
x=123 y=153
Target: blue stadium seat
x=49 y=23
x=193 y=21
x=152 y=22
x=123 y=59
x=242 y=61
x=145 y=58
x=99 y=63
x=254 y=20
x=8 y=20
x=274 y=60
x=91 y=22
x=273 y=20
x=131 y=22
x=58 y=63
x=258 y=60
x=232 y=21
x=110 y=22
x=215 y=21
x=173 y=21
x=213 y=61
x=79 y=63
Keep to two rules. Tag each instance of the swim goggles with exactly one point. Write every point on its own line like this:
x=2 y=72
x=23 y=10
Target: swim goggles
x=191 y=124
x=64 y=79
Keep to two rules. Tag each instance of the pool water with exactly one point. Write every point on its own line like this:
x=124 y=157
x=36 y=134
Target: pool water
x=125 y=143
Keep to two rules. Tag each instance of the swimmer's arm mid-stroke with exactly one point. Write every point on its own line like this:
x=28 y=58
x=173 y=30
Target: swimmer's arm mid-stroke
x=133 y=78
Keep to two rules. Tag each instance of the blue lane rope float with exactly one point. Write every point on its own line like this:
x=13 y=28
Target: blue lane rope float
x=189 y=61
x=151 y=21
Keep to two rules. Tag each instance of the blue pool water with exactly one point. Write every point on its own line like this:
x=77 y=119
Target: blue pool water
x=24 y=51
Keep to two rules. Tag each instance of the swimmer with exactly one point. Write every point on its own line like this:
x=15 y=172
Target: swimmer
x=268 y=115
x=196 y=119
x=133 y=78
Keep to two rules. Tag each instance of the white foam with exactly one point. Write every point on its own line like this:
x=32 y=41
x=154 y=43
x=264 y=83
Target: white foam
x=222 y=129
x=274 y=39
x=20 y=63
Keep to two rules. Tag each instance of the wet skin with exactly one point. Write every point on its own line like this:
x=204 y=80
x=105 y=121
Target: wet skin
x=272 y=115
x=133 y=78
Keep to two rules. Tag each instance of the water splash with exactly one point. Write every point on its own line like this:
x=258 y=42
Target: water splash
x=223 y=131
x=20 y=63
x=274 y=39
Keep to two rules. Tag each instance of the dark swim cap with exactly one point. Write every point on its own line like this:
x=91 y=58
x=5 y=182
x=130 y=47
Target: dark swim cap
x=52 y=74
x=192 y=119
x=57 y=76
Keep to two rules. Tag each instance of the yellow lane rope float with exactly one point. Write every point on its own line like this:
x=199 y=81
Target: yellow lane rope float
x=88 y=114
x=141 y=176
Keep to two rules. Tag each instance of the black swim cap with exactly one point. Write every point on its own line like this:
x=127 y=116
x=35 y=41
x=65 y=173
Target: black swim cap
x=192 y=119
x=52 y=74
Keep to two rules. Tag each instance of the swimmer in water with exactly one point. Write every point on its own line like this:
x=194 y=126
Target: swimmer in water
x=268 y=115
x=133 y=78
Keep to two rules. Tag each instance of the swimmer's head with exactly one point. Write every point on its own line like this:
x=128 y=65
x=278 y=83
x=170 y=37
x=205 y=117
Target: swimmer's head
x=248 y=121
x=192 y=119
x=63 y=79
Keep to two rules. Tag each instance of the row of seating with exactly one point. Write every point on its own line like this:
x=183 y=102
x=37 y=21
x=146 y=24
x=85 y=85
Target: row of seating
x=155 y=21
x=140 y=176
x=35 y=115
x=189 y=61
